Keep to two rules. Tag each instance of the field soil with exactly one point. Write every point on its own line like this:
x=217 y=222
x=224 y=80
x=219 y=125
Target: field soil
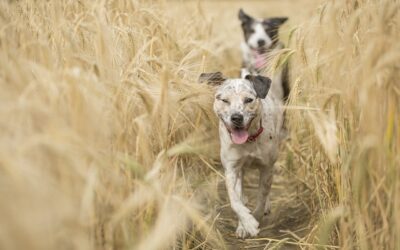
x=289 y=217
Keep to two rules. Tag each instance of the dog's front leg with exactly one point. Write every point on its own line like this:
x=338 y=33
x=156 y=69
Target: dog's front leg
x=244 y=72
x=247 y=225
x=265 y=183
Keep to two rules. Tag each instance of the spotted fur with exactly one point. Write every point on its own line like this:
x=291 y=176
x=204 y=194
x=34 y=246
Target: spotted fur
x=265 y=110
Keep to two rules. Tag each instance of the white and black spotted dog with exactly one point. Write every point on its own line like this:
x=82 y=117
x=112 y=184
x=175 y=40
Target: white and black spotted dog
x=251 y=118
x=260 y=41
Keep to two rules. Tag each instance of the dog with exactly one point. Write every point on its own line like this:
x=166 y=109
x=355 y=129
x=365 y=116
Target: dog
x=260 y=41
x=250 y=122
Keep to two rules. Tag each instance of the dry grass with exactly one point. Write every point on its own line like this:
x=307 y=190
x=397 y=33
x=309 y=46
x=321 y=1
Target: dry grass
x=108 y=142
x=347 y=65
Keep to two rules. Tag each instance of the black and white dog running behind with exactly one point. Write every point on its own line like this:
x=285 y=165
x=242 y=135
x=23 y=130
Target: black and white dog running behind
x=250 y=123
x=261 y=40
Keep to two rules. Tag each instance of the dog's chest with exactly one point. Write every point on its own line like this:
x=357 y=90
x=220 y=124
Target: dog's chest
x=253 y=154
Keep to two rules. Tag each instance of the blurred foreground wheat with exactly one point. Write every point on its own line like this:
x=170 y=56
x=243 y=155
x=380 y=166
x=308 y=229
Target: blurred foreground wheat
x=347 y=65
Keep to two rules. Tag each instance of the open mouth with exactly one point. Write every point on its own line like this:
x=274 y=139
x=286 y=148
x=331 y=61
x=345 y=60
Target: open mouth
x=260 y=57
x=239 y=134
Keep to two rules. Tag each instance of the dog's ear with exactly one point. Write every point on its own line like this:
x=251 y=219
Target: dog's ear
x=275 y=21
x=243 y=17
x=214 y=79
x=261 y=84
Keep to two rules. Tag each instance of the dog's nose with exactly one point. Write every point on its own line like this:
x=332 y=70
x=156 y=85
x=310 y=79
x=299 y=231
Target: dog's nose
x=237 y=119
x=261 y=42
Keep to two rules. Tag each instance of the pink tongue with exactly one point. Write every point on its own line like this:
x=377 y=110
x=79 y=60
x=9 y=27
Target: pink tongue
x=260 y=62
x=239 y=136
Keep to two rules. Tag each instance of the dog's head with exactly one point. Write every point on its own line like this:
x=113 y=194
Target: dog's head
x=260 y=34
x=237 y=101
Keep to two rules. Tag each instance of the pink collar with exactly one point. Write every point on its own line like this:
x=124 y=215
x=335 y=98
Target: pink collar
x=253 y=138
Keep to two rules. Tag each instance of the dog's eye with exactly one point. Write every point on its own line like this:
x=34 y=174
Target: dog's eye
x=225 y=100
x=248 y=100
x=251 y=30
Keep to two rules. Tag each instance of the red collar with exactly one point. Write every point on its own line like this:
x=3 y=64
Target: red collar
x=253 y=138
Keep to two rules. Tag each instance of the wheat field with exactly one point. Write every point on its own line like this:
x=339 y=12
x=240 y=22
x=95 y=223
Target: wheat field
x=109 y=142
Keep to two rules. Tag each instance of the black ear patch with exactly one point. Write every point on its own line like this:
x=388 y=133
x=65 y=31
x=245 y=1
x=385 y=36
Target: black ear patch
x=244 y=18
x=214 y=79
x=275 y=21
x=261 y=84
x=272 y=26
x=247 y=23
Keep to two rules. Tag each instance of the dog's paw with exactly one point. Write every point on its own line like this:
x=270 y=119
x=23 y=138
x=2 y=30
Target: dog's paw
x=258 y=214
x=247 y=227
x=267 y=209
x=241 y=232
x=262 y=211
